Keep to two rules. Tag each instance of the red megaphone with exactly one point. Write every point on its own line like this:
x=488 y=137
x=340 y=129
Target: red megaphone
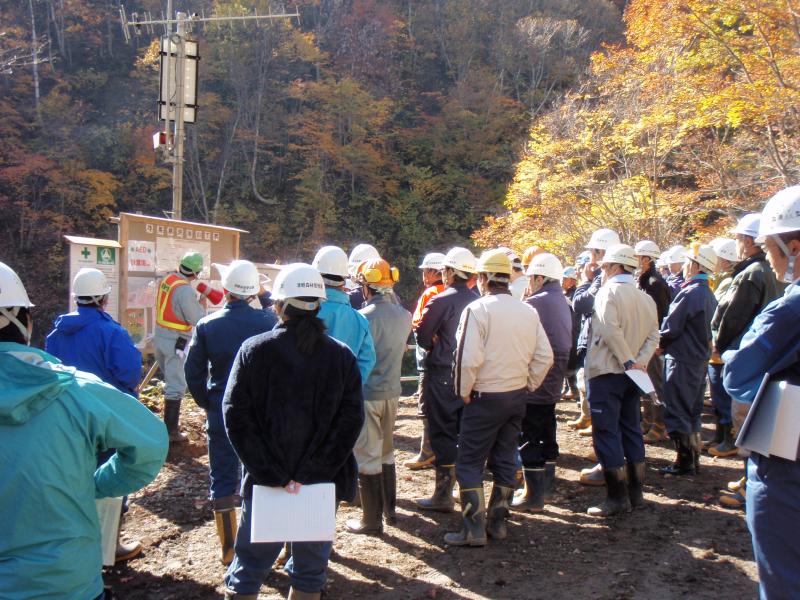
x=214 y=296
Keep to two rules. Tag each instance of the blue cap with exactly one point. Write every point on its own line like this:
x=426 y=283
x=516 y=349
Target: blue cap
x=570 y=273
x=583 y=258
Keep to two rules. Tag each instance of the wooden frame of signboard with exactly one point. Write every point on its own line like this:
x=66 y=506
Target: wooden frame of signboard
x=151 y=247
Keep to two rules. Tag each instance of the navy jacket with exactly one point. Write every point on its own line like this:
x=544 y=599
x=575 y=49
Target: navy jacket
x=556 y=317
x=652 y=283
x=90 y=340
x=440 y=321
x=583 y=304
x=215 y=342
x=686 y=330
x=675 y=283
x=291 y=416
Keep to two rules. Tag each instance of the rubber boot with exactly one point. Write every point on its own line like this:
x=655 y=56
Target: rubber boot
x=371 y=522
x=580 y=423
x=442 y=499
x=658 y=431
x=497 y=512
x=695 y=445
x=532 y=498
x=473 y=527
x=617 y=500
x=684 y=459
x=550 y=479
x=389 y=490
x=725 y=447
x=172 y=413
x=425 y=458
x=718 y=436
x=593 y=477
x=126 y=551
x=635 y=483
x=225 y=520
x=736 y=486
x=295 y=594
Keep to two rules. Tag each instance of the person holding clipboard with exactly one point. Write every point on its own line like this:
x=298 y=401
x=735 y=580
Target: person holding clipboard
x=771 y=347
x=293 y=410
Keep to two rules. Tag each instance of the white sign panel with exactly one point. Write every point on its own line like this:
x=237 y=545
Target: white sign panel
x=104 y=258
x=141 y=256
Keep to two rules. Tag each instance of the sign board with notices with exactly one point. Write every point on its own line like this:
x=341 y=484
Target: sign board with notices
x=151 y=248
x=97 y=254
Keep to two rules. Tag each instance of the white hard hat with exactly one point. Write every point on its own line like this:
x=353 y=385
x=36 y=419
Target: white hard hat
x=602 y=239
x=781 y=214
x=647 y=248
x=460 y=259
x=516 y=261
x=242 y=279
x=704 y=255
x=748 y=225
x=725 y=249
x=569 y=273
x=12 y=297
x=620 y=254
x=676 y=254
x=359 y=254
x=433 y=260
x=546 y=265
x=90 y=282
x=299 y=280
x=331 y=260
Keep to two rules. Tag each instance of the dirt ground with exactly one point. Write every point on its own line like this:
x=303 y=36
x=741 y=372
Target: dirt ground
x=681 y=545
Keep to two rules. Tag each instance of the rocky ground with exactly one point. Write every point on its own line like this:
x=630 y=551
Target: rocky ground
x=683 y=544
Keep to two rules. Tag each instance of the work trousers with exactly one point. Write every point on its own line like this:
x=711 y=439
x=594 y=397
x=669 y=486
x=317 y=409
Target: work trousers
x=223 y=463
x=443 y=410
x=490 y=426
x=773 y=517
x=616 y=430
x=171 y=366
x=684 y=384
x=307 y=567
x=655 y=370
x=375 y=445
x=719 y=397
x=538 y=438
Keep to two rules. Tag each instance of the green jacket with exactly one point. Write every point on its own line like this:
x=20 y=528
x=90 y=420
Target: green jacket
x=54 y=420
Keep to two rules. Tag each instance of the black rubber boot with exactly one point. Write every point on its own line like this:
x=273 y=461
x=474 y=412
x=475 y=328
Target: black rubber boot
x=442 y=499
x=172 y=413
x=726 y=447
x=549 y=479
x=718 y=436
x=497 y=512
x=473 y=528
x=389 y=489
x=617 y=500
x=636 y=483
x=695 y=447
x=684 y=457
x=532 y=499
x=371 y=522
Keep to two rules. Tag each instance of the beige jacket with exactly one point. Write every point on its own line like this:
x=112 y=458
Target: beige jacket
x=624 y=327
x=501 y=346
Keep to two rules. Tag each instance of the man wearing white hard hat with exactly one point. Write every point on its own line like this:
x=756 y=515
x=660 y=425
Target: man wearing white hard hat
x=686 y=344
x=772 y=346
x=431 y=268
x=624 y=336
x=674 y=258
x=519 y=282
x=359 y=254
x=293 y=410
x=215 y=342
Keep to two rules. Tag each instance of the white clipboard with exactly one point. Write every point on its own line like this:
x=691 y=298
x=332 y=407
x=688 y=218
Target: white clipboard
x=642 y=380
x=772 y=425
x=308 y=516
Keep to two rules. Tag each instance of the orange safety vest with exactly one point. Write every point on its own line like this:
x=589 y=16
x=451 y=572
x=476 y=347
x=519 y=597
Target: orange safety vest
x=165 y=316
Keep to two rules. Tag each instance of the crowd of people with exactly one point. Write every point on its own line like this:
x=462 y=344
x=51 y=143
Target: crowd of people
x=301 y=384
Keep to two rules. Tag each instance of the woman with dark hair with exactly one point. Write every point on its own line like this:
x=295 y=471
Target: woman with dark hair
x=293 y=410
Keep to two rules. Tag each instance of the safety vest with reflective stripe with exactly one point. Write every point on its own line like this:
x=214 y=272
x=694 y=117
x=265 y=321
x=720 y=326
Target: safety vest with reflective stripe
x=165 y=316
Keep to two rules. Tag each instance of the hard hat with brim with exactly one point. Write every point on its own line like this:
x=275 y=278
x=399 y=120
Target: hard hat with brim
x=546 y=265
x=748 y=225
x=725 y=249
x=647 y=248
x=460 y=259
x=192 y=261
x=331 y=260
x=241 y=278
x=89 y=282
x=433 y=260
x=378 y=273
x=603 y=239
x=621 y=254
x=781 y=214
x=704 y=255
x=299 y=280
x=494 y=261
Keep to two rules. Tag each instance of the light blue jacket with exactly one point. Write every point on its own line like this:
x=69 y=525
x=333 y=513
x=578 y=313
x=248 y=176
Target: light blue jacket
x=350 y=327
x=54 y=421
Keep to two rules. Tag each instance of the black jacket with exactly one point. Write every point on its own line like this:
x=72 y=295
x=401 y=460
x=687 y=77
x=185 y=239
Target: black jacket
x=686 y=331
x=440 y=321
x=291 y=416
x=652 y=283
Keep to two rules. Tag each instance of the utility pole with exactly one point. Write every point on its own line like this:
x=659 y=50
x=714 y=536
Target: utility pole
x=172 y=103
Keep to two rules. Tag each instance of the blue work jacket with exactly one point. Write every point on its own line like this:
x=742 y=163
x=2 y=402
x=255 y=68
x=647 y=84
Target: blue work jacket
x=686 y=330
x=215 y=342
x=346 y=324
x=556 y=318
x=90 y=340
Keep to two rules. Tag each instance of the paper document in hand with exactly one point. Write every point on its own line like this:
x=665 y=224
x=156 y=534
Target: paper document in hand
x=641 y=379
x=308 y=516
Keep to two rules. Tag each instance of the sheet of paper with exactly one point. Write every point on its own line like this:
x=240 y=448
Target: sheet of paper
x=641 y=379
x=309 y=516
x=786 y=436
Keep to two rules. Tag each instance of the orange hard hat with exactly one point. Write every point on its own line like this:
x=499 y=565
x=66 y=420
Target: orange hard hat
x=377 y=271
x=528 y=255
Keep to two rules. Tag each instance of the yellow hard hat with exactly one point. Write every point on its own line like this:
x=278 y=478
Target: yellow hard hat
x=494 y=261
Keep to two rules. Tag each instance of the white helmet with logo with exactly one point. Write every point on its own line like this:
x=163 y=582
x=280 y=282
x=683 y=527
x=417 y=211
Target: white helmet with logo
x=460 y=259
x=90 y=283
x=676 y=254
x=704 y=255
x=647 y=248
x=620 y=254
x=781 y=214
x=602 y=239
x=725 y=249
x=546 y=265
x=241 y=279
x=331 y=260
x=299 y=280
x=748 y=225
x=433 y=260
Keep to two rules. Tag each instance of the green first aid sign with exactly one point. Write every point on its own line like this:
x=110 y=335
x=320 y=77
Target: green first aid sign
x=106 y=256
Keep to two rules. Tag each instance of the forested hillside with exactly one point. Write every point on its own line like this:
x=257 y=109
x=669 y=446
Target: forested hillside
x=396 y=122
